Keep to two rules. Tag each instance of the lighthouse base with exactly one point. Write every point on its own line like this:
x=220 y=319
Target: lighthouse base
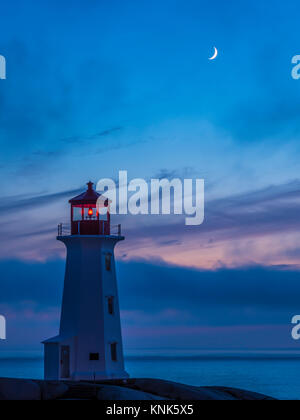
x=98 y=376
x=61 y=363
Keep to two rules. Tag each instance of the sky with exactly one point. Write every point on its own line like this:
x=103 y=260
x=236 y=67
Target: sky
x=101 y=86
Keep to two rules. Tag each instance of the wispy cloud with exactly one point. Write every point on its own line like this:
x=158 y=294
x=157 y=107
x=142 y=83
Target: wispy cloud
x=255 y=226
x=93 y=137
x=271 y=209
x=31 y=202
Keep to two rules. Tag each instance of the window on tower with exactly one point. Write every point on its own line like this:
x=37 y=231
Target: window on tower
x=108 y=262
x=113 y=349
x=77 y=214
x=94 y=357
x=110 y=302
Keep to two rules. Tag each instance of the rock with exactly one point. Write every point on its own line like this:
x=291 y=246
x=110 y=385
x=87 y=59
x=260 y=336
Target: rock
x=114 y=393
x=19 y=390
x=176 y=391
x=53 y=390
x=242 y=395
x=122 y=390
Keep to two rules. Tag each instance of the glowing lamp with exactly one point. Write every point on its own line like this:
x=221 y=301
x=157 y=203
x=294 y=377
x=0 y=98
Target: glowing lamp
x=90 y=212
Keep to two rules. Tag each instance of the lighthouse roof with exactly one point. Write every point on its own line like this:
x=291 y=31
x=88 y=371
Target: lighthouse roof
x=90 y=196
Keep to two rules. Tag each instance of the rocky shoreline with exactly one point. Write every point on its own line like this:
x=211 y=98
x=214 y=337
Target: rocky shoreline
x=118 y=390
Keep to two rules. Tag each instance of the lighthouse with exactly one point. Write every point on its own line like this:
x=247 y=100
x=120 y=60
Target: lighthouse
x=89 y=344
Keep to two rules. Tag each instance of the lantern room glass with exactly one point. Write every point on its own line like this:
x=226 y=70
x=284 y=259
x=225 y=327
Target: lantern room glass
x=84 y=212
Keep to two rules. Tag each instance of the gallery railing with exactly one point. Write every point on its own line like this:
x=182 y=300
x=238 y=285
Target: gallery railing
x=99 y=227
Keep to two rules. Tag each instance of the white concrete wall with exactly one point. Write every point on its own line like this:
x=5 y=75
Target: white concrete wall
x=85 y=311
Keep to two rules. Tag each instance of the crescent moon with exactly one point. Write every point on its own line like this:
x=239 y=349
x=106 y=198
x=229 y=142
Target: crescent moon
x=215 y=54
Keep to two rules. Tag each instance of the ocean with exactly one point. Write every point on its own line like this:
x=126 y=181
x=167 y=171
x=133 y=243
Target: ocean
x=273 y=374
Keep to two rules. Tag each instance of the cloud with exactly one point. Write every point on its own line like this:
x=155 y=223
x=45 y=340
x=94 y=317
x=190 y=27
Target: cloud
x=165 y=288
x=35 y=163
x=183 y=289
x=251 y=214
x=186 y=172
x=160 y=304
x=31 y=202
x=93 y=137
x=257 y=226
x=37 y=283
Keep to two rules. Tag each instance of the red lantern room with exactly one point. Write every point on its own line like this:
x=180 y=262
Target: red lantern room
x=85 y=217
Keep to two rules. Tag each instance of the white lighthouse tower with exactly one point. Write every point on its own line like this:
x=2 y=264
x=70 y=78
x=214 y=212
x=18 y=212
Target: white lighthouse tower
x=89 y=344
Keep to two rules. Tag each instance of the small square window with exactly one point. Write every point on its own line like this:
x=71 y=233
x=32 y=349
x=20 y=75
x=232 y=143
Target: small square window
x=94 y=356
x=113 y=348
x=108 y=262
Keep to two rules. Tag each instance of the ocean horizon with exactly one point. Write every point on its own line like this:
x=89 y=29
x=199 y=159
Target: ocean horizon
x=272 y=373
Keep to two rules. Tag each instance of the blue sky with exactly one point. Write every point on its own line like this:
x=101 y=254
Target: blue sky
x=103 y=86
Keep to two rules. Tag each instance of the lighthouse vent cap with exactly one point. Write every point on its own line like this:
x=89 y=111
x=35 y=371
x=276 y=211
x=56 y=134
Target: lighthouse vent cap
x=90 y=196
